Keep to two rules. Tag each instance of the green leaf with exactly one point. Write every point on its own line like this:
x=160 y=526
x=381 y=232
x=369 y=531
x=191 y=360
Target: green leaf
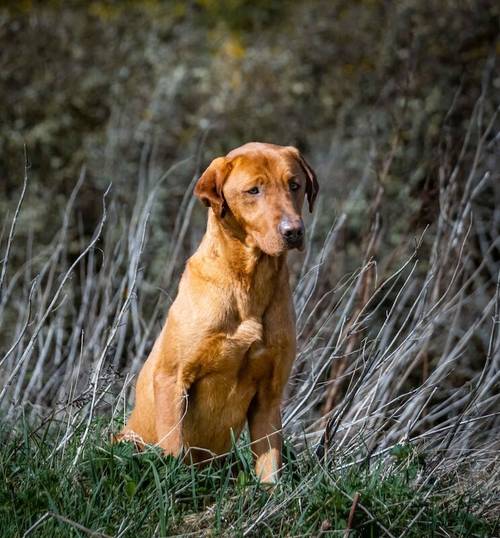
x=130 y=488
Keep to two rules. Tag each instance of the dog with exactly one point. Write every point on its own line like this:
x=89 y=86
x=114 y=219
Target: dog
x=225 y=352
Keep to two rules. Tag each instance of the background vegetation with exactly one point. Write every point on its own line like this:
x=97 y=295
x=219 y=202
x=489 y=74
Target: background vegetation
x=394 y=395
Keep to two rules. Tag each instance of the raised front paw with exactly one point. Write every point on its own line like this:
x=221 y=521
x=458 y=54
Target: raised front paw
x=249 y=332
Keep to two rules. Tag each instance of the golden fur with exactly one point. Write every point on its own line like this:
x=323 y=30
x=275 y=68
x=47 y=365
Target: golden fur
x=225 y=352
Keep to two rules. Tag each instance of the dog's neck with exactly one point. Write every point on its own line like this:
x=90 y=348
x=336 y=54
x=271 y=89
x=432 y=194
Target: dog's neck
x=250 y=278
x=238 y=256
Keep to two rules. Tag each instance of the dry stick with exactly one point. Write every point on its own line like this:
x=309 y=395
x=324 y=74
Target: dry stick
x=351 y=515
x=95 y=377
x=37 y=523
x=68 y=521
x=13 y=224
x=349 y=398
x=440 y=309
x=183 y=216
x=363 y=286
x=387 y=449
x=13 y=283
x=297 y=494
x=409 y=410
x=464 y=204
x=148 y=206
x=55 y=298
x=49 y=266
x=138 y=357
x=25 y=326
x=59 y=242
x=365 y=510
x=316 y=375
x=380 y=412
x=474 y=392
x=44 y=346
x=352 y=282
x=443 y=368
x=72 y=390
x=353 y=337
x=305 y=281
x=328 y=309
x=310 y=237
x=437 y=303
x=77 y=329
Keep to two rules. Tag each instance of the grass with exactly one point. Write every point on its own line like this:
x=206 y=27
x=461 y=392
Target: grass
x=113 y=490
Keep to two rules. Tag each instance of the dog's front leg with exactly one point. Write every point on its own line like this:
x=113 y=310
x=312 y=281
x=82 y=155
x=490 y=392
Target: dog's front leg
x=264 y=422
x=170 y=405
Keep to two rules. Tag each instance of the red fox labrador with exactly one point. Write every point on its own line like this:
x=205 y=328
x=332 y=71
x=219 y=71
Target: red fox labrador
x=225 y=352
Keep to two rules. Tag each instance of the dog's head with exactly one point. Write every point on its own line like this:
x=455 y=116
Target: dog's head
x=260 y=189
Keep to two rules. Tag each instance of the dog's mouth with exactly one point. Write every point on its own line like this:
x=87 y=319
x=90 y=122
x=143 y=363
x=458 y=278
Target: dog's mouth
x=294 y=244
x=285 y=246
x=276 y=244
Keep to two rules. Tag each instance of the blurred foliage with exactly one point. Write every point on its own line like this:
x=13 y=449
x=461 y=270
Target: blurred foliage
x=110 y=84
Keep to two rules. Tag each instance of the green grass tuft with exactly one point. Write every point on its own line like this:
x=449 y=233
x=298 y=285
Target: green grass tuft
x=113 y=490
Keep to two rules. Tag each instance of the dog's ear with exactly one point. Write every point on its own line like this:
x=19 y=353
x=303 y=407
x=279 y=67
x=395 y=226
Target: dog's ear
x=209 y=187
x=312 y=186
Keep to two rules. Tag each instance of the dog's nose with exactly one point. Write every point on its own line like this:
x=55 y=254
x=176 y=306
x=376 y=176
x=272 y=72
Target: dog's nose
x=292 y=231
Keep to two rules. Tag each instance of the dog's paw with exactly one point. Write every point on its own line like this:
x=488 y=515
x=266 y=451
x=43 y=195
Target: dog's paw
x=249 y=332
x=129 y=436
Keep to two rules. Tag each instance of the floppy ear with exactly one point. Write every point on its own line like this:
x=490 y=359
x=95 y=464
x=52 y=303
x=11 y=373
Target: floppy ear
x=312 y=186
x=209 y=187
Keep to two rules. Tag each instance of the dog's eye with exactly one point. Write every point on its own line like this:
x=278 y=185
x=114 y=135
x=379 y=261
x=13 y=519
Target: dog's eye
x=253 y=190
x=294 y=186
